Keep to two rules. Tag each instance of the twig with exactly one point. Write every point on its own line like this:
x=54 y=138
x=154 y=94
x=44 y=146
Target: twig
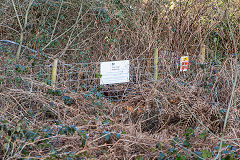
x=22 y=27
x=234 y=85
x=56 y=20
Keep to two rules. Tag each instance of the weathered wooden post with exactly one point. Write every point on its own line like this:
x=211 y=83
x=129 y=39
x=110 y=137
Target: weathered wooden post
x=202 y=53
x=54 y=73
x=155 y=77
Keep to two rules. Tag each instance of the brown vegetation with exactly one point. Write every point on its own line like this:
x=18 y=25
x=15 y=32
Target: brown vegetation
x=178 y=115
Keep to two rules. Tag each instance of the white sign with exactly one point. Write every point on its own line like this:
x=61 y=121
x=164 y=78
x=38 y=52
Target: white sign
x=114 y=72
x=184 y=63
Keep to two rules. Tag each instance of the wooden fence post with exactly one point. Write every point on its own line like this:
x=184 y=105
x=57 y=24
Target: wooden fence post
x=202 y=53
x=54 y=73
x=155 y=77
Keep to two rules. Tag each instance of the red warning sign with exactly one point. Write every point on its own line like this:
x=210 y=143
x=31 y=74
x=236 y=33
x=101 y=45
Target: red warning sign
x=184 y=63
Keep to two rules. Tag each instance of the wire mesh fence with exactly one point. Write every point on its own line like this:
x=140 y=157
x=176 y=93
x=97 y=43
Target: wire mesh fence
x=85 y=77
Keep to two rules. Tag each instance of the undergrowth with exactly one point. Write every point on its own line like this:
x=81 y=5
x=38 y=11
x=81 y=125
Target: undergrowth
x=180 y=116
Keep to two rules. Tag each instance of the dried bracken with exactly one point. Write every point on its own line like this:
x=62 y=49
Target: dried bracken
x=181 y=114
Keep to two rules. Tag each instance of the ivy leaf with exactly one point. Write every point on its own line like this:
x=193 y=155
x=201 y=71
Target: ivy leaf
x=206 y=154
x=161 y=156
x=186 y=143
x=203 y=135
x=107 y=135
x=118 y=135
x=173 y=29
x=98 y=75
